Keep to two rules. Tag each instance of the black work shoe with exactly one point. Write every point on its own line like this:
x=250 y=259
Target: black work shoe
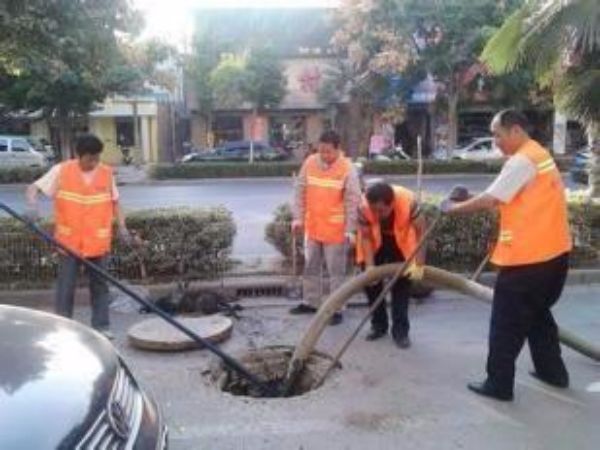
x=303 y=308
x=486 y=390
x=402 y=342
x=375 y=334
x=336 y=319
x=562 y=383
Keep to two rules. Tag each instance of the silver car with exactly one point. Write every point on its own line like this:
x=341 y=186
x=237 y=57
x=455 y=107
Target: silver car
x=17 y=151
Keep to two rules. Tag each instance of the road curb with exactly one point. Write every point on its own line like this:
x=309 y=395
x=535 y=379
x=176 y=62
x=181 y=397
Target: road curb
x=247 y=287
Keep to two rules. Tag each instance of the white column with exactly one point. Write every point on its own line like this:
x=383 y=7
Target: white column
x=559 y=142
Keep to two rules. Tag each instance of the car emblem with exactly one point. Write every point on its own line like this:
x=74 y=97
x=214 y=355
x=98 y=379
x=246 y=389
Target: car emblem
x=118 y=420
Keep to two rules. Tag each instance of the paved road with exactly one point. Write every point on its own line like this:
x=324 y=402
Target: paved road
x=383 y=397
x=252 y=201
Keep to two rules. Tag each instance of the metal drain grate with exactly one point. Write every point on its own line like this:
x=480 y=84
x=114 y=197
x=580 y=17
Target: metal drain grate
x=260 y=291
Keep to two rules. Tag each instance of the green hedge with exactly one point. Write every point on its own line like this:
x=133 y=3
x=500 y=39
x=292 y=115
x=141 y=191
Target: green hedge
x=194 y=243
x=20 y=174
x=222 y=170
x=461 y=242
x=286 y=169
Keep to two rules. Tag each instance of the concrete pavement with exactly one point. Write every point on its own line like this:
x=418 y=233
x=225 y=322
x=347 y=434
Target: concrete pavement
x=383 y=397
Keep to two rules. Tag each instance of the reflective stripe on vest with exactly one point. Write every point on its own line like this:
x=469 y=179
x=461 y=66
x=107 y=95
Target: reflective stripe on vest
x=84 y=213
x=534 y=226
x=325 y=210
x=405 y=233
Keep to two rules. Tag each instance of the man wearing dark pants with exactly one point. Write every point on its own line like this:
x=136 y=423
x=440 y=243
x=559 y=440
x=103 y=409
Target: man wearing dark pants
x=532 y=254
x=65 y=290
x=85 y=203
x=390 y=226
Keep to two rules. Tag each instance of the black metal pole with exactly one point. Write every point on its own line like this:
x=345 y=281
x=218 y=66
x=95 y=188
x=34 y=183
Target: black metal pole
x=228 y=360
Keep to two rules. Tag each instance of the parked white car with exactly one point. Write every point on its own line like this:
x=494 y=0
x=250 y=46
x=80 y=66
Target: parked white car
x=478 y=150
x=17 y=151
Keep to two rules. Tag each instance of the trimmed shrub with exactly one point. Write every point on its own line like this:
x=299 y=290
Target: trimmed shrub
x=286 y=169
x=461 y=242
x=191 y=243
x=222 y=170
x=20 y=174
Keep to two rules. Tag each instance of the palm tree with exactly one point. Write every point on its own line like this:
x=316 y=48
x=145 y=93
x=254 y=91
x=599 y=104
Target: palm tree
x=560 y=41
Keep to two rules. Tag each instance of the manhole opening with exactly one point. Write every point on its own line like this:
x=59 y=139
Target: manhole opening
x=270 y=364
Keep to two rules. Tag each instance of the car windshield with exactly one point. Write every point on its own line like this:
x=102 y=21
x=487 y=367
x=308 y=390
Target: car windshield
x=37 y=145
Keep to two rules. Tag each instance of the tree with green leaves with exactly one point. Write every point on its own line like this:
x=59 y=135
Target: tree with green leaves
x=255 y=80
x=560 y=42
x=57 y=57
x=227 y=81
x=205 y=57
x=144 y=67
x=264 y=86
x=414 y=38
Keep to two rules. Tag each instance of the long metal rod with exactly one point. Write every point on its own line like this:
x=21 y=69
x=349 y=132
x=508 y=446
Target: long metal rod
x=379 y=300
x=203 y=343
x=482 y=264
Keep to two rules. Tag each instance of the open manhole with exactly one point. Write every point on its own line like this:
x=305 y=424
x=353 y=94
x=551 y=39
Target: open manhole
x=270 y=364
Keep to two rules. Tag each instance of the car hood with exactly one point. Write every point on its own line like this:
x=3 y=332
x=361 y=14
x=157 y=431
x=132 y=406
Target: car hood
x=55 y=377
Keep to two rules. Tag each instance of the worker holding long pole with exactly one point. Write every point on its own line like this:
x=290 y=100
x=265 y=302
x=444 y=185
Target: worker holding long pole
x=327 y=194
x=390 y=225
x=532 y=254
x=86 y=202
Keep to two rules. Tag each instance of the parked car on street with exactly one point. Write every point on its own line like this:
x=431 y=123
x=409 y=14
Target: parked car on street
x=18 y=151
x=63 y=386
x=478 y=150
x=44 y=147
x=581 y=165
x=237 y=151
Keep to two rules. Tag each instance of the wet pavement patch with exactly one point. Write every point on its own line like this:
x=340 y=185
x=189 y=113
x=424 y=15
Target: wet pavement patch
x=270 y=364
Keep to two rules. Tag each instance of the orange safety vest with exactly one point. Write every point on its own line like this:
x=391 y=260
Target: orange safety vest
x=84 y=213
x=534 y=226
x=325 y=216
x=405 y=233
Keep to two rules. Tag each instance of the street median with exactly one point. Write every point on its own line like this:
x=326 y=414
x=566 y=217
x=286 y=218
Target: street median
x=286 y=169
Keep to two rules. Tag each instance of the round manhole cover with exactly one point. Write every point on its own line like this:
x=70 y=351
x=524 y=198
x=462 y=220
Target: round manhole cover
x=156 y=334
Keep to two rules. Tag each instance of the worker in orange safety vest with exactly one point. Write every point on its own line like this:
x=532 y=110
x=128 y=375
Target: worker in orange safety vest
x=327 y=194
x=532 y=253
x=86 y=201
x=390 y=226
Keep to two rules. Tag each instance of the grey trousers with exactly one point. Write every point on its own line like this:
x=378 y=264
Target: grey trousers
x=65 y=291
x=335 y=259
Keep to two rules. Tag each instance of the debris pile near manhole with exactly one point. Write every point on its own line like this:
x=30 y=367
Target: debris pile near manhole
x=270 y=364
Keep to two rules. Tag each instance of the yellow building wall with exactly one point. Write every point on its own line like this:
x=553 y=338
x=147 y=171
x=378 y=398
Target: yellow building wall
x=105 y=129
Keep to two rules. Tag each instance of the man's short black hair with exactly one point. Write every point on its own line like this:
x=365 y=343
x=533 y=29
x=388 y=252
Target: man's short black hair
x=511 y=117
x=380 y=193
x=88 y=144
x=330 y=137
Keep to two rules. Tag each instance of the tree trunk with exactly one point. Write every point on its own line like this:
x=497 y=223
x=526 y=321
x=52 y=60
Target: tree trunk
x=593 y=132
x=64 y=133
x=452 y=120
